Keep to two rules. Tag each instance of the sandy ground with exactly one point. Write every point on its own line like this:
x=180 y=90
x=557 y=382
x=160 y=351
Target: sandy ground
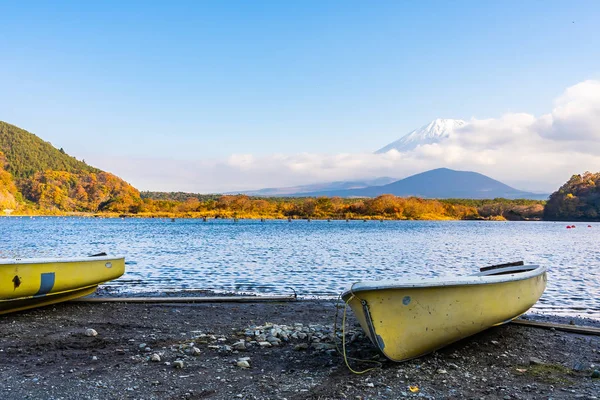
x=46 y=354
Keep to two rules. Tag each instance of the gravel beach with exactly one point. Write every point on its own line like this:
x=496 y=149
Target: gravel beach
x=274 y=350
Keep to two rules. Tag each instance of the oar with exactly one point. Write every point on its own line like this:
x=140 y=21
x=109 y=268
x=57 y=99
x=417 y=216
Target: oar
x=510 y=264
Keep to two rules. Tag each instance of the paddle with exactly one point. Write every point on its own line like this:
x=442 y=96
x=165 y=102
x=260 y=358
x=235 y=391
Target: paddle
x=510 y=264
x=99 y=255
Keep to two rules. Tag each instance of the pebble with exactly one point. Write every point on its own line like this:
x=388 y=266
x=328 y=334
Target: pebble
x=265 y=344
x=241 y=345
x=579 y=366
x=178 y=364
x=535 y=361
x=195 y=351
x=91 y=332
x=242 y=363
x=155 y=357
x=596 y=374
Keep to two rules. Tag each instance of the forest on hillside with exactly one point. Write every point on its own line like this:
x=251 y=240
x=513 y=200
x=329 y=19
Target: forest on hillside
x=37 y=178
x=577 y=200
x=25 y=154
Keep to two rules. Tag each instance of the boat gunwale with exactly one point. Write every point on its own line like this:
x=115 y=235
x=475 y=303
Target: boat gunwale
x=485 y=278
x=17 y=261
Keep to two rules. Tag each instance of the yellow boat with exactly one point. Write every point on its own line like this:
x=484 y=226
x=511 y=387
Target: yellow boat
x=28 y=283
x=408 y=319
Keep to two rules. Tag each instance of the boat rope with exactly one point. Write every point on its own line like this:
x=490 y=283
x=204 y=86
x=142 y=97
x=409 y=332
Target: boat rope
x=343 y=352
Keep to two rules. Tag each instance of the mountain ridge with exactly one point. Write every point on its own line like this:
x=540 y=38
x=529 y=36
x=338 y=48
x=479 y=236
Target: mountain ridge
x=440 y=183
x=335 y=185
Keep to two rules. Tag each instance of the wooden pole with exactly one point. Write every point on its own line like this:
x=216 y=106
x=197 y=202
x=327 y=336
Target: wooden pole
x=206 y=299
x=585 y=330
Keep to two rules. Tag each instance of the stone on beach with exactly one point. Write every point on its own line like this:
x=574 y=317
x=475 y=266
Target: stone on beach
x=241 y=345
x=535 y=361
x=91 y=332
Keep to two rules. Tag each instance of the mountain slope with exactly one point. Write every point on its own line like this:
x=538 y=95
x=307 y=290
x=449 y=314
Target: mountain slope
x=32 y=169
x=26 y=154
x=298 y=190
x=433 y=132
x=439 y=183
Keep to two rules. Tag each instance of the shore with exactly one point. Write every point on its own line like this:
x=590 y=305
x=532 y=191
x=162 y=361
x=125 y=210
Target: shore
x=205 y=351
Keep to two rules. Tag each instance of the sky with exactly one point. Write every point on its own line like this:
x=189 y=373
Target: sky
x=220 y=96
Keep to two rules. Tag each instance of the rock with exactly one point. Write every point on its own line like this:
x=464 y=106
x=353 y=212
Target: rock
x=596 y=374
x=442 y=371
x=535 y=361
x=142 y=345
x=301 y=346
x=94 y=358
x=579 y=366
x=178 y=364
x=195 y=351
x=155 y=357
x=241 y=345
x=265 y=344
x=273 y=340
x=91 y=332
x=495 y=342
x=243 y=364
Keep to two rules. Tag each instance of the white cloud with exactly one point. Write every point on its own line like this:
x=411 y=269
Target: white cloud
x=576 y=115
x=537 y=153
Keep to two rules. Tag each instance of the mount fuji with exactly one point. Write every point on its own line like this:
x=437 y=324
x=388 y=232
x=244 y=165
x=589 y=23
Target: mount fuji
x=434 y=132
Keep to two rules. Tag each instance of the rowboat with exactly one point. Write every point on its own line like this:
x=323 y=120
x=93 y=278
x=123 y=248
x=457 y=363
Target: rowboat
x=28 y=283
x=407 y=319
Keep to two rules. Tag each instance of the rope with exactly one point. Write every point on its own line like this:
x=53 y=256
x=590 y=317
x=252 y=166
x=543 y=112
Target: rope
x=343 y=351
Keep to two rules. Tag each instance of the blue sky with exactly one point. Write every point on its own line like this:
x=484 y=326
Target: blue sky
x=204 y=80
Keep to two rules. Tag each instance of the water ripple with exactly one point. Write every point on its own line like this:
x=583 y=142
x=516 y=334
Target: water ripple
x=317 y=258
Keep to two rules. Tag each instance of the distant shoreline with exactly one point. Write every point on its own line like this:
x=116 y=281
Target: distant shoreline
x=269 y=218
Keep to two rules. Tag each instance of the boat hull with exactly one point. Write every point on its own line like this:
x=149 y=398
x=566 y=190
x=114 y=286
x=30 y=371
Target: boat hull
x=407 y=322
x=32 y=283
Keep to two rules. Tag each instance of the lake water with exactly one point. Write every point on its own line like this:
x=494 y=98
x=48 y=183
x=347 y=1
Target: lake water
x=316 y=258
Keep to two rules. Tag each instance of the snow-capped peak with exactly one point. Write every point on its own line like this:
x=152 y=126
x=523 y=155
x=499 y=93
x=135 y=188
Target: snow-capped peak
x=433 y=132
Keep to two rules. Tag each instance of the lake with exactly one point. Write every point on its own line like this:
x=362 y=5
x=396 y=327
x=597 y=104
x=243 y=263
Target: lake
x=317 y=258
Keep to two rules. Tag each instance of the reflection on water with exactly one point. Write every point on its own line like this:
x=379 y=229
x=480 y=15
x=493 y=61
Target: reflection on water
x=319 y=258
